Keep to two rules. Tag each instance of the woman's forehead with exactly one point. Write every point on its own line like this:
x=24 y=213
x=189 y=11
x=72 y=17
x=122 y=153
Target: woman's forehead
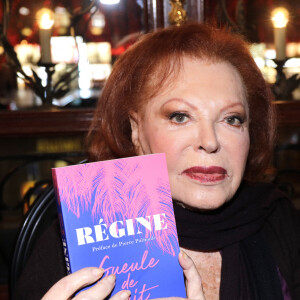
x=174 y=71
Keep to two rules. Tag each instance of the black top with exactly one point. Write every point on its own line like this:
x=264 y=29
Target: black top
x=280 y=231
x=237 y=229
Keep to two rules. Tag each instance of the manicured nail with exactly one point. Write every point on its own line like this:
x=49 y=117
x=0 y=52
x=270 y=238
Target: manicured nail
x=125 y=294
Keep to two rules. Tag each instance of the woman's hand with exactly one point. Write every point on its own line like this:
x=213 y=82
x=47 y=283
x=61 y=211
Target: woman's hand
x=69 y=285
x=193 y=283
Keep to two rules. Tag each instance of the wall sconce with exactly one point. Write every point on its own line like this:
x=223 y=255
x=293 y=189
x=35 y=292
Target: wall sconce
x=45 y=19
x=280 y=18
x=283 y=87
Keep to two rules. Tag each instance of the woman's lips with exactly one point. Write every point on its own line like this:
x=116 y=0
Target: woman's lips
x=206 y=174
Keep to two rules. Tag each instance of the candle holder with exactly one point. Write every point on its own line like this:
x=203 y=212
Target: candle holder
x=47 y=94
x=283 y=87
x=34 y=82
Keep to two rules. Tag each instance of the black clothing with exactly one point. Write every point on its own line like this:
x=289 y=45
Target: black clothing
x=236 y=228
x=257 y=232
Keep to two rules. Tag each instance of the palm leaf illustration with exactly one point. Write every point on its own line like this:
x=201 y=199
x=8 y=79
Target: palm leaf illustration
x=76 y=187
x=108 y=192
x=147 y=197
x=168 y=237
x=137 y=199
x=121 y=190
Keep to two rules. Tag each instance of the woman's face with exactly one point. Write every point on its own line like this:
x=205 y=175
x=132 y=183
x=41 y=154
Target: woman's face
x=201 y=123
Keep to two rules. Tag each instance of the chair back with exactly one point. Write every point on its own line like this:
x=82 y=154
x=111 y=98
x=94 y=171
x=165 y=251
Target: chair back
x=39 y=217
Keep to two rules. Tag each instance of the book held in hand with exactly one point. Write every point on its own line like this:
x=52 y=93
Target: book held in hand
x=118 y=215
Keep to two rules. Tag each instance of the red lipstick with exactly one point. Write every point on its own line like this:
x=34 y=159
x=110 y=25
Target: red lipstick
x=206 y=174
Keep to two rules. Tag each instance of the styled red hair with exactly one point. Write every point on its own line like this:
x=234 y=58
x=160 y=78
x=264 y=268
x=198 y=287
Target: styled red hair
x=156 y=58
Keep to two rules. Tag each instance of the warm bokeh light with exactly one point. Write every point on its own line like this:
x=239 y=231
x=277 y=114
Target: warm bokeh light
x=24 y=11
x=45 y=18
x=97 y=23
x=280 y=17
x=62 y=20
x=110 y=2
x=26 y=31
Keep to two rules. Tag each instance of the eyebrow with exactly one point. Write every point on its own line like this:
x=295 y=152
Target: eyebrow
x=233 y=105
x=180 y=100
x=194 y=107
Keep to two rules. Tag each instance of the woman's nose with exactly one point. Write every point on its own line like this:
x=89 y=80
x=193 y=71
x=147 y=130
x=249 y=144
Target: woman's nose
x=207 y=139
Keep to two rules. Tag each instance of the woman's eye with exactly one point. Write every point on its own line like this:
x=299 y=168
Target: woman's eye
x=234 y=120
x=178 y=117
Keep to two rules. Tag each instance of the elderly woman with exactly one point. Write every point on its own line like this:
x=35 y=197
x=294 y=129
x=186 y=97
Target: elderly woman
x=195 y=93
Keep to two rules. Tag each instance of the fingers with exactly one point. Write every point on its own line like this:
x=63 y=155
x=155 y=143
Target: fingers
x=100 y=290
x=67 y=286
x=122 y=295
x=193 y=280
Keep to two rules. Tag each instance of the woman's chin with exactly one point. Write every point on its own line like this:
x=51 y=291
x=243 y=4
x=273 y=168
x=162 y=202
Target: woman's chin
x=206 y=200
x=192 y=194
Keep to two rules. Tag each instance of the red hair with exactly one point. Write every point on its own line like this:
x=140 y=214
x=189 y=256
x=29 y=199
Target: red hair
x=143 y=69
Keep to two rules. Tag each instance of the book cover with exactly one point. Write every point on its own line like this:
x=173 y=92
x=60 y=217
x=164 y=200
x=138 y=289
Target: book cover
x=118 y=215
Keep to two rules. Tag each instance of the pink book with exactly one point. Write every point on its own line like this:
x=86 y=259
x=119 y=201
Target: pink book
x=118 y=215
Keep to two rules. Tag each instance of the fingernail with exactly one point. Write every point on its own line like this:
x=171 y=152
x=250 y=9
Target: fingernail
x=183 y=255
x=111 y=278
x=125 y=294
x=97 y=271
